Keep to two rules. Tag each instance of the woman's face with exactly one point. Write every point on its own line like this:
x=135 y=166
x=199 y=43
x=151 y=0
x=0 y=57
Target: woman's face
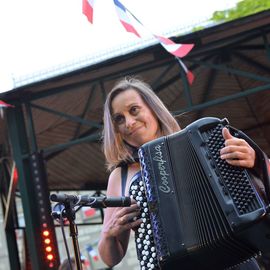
x=133 y=119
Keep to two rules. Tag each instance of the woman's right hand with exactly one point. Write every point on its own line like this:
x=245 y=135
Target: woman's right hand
x=122 y=219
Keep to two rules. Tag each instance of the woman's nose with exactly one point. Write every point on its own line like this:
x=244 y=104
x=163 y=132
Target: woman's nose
x=130 y=121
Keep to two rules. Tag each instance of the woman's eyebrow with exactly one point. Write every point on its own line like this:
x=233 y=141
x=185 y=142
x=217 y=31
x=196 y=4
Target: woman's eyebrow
x=114 y=115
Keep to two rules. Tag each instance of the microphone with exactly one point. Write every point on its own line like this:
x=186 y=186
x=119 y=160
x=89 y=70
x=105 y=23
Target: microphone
x=94 y=202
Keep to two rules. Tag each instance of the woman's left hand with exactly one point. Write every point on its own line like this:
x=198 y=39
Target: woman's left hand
x=237 y=151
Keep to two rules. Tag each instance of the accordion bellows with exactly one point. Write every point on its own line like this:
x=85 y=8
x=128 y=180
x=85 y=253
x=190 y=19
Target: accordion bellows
x=198 y=211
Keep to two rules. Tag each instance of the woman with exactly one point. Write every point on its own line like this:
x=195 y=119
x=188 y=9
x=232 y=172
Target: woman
x=134 y=115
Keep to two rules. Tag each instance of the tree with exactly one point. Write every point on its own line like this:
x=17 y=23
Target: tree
x=242 y=9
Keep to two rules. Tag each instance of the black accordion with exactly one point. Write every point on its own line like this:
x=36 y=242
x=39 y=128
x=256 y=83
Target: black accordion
x=198 y=211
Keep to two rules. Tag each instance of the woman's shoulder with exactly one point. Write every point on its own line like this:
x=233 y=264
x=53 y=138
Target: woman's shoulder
x=114 y=182
x=114 y=174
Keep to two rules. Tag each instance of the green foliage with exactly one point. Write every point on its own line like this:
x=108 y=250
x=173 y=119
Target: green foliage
x=197 y=28
x=243 y=8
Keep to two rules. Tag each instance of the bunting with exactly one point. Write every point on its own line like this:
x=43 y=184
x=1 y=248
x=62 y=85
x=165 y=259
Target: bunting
x=5 y=105
x=189 y=74
x=176 y=49
x=179 y=50
x=124 y=19
x=88 y=9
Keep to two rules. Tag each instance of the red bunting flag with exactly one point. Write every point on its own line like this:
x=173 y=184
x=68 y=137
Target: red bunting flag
x=176 y=49
x=179 y=50
x=5 y=105
x=189 y=74
x=124 y=19
x=87 y=9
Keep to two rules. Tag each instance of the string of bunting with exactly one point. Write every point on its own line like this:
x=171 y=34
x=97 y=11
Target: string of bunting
x=176 y=49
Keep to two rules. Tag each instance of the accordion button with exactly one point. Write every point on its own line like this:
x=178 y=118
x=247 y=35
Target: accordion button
x=153 y=249
x=154 y=255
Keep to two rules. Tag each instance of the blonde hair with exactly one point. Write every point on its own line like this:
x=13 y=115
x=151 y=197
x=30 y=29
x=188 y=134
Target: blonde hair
x=114 y=148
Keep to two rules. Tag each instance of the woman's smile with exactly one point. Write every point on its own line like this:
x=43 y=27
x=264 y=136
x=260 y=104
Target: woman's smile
x=135 y=130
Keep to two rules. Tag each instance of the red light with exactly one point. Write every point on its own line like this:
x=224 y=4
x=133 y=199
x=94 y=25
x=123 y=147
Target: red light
x=47 y=241
x=15 y=175
x=49 y=249
x=50 y=257
x=46 y=233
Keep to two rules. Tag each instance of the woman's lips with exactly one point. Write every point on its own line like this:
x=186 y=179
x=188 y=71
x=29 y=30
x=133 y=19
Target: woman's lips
x=134 y=130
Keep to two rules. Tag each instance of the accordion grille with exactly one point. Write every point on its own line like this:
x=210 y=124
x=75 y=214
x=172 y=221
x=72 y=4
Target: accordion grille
x=234 y=179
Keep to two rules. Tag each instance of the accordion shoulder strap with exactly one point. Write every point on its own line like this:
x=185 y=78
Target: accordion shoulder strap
x=124 y=170
x=261 y=159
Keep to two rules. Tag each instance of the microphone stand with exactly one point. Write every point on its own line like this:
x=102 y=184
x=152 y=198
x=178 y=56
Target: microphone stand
x=73 y=230
x=70 y=201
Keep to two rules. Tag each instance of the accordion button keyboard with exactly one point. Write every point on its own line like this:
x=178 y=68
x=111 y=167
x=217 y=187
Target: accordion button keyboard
x=144 y=237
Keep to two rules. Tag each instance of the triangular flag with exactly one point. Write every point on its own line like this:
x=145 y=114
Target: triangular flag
x=88 y=9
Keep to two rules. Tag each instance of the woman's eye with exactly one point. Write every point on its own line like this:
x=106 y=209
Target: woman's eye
x=118 y=119
x=134 y=110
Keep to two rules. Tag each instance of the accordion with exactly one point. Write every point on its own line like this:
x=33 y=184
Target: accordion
x=198 y=211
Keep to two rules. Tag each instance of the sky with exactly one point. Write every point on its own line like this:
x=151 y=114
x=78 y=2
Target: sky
x=37 y=35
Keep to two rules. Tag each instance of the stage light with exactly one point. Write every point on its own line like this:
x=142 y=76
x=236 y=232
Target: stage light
x=46 y=238
x=46 y=233
x=47 y=241
x=50 y=257
x=48 y=247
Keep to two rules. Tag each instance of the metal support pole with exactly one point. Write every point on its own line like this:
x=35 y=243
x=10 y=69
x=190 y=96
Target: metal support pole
x=20 y=148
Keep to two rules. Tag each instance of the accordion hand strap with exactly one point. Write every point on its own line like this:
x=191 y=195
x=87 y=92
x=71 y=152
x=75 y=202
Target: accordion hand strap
x=261 y=159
